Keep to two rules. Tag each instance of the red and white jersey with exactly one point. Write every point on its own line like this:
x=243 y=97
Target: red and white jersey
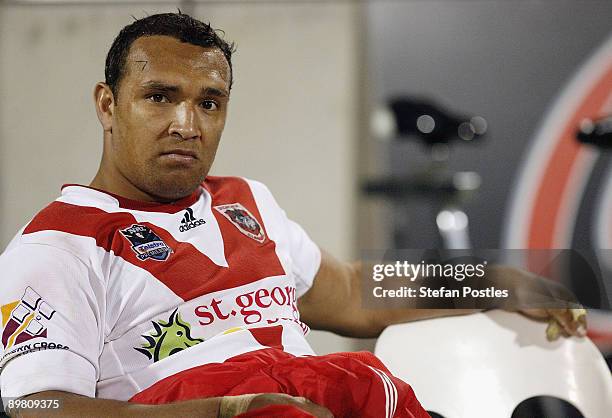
x=104 y=296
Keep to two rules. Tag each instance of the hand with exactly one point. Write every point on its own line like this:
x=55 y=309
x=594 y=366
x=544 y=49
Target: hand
x=541 y=299
x=566 y=322
x=266 y=399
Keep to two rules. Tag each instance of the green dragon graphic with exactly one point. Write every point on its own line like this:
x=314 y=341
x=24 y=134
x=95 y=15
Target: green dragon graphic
x=168 y=338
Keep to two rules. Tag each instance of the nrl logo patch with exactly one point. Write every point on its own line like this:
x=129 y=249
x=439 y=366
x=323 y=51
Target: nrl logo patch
x=145 y=243
x=243 y=220
x=168 y=338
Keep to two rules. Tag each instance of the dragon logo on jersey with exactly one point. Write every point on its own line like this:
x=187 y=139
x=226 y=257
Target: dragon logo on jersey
x=243 y=220
x=145 y=243
x=24 y=319
x=169 y=337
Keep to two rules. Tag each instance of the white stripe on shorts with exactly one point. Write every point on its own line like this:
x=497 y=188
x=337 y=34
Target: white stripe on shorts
x=390 y=392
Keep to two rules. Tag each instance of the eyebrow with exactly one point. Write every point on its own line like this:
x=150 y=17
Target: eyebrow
x=159 y=86
x=211 y=91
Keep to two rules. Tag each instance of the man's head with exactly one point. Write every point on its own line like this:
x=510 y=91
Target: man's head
x=176 y=25
x=163 y=107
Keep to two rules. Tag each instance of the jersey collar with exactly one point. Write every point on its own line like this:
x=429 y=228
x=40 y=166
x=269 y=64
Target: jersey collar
x=126 y=203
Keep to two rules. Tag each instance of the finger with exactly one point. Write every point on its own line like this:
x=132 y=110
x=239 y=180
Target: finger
x=579 y=316
x=317 y=410
x=577 y=321
x=565 y=319
x=578 y=313
x=553 y=330
x=585 y=323
x=235 y=405
x=304 y=404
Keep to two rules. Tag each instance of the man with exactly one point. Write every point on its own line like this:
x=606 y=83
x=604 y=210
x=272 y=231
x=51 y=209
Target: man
x=160 y=284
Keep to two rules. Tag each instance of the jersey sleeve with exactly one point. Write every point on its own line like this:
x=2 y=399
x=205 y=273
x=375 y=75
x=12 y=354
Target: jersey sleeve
x=305 y=254
x=51 y=332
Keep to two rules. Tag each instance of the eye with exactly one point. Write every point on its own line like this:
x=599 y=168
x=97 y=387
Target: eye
x=158 y=98
x=209 y=105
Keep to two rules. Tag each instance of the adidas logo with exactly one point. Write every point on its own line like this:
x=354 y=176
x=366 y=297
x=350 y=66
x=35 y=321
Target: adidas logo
x=189 y=221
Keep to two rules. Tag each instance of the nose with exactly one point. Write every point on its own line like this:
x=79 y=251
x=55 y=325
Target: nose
x=184 y=123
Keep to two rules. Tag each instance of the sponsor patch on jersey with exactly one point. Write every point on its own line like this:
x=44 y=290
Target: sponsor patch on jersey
x=189 y=221
x=145 y=243
x=168 y=338
x=243 y=220
x=25 y=319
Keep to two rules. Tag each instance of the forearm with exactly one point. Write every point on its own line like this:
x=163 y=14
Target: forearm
x=377 y=319
x=71 y=405
x=530 y=294
x=499 y=276
x=335 y=304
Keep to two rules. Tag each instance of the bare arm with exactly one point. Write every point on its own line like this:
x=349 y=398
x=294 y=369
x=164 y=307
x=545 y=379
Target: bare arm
x=77 y=406
x=71 y=405
x=333 y=303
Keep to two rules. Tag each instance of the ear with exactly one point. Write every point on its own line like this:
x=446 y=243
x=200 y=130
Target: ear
x=105 y=103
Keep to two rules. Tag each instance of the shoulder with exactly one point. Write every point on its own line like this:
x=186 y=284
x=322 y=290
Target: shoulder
x=71 y=228
x=61 y=216
x=35 y=262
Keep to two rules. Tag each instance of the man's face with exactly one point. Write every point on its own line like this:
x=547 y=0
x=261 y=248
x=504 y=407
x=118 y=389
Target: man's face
x=169 y=115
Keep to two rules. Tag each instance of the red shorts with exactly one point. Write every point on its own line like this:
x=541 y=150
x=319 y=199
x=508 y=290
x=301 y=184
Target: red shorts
x=348 y=384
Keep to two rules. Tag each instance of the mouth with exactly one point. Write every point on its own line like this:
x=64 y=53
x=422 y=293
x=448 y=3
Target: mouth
x=180 y=155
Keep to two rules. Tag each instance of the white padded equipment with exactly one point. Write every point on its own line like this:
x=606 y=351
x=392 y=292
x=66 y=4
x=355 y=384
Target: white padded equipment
x=485 y=364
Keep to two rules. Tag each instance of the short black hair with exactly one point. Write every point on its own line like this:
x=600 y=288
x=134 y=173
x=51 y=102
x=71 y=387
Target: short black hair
x=176 y=25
